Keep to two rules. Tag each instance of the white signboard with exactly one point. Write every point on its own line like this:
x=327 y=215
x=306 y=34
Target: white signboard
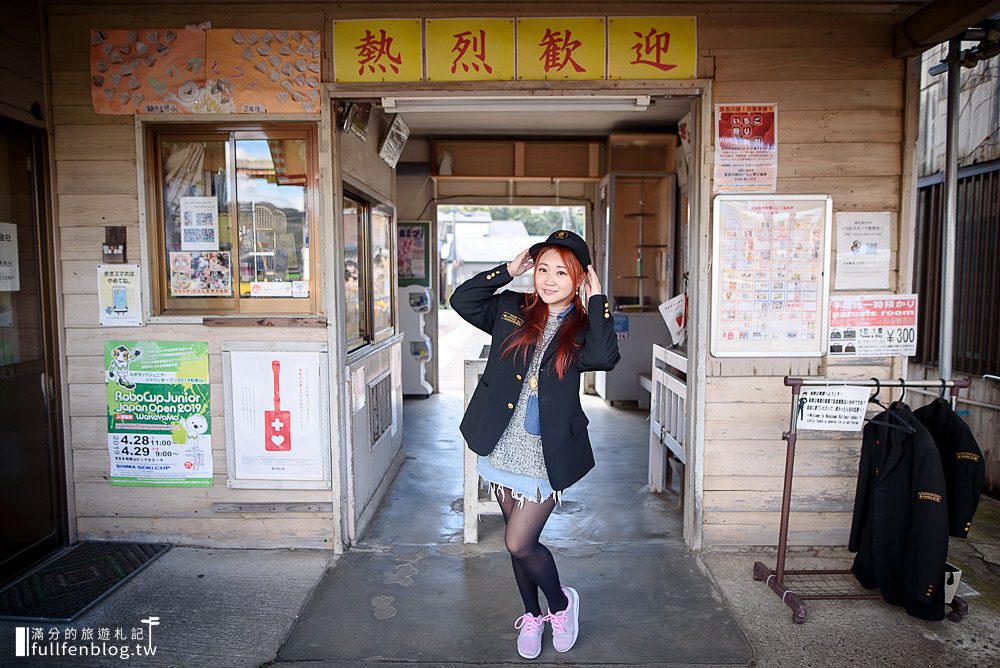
x=119 y=298
x=863 y=260
x=199 y=224
x=276 y=411
x=674 y=313
x=10 y=273
x=832 y=408
x=769 y=273
x=873 y=325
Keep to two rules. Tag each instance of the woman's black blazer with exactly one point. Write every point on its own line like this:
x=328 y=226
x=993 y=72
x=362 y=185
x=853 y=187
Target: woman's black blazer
x=565 y=442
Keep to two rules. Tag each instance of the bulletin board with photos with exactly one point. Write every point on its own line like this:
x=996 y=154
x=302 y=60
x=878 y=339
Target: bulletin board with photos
x=770 y=286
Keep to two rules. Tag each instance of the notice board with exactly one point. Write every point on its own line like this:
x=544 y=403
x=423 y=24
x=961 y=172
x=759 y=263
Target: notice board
x=770 y=274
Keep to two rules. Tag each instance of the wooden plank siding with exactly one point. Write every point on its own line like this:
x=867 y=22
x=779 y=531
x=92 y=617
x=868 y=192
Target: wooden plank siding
x=96 y=184
x=840 y=96
x=841 y=118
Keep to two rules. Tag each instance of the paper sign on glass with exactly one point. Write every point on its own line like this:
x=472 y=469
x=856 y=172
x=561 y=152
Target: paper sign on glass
x=199 y=224
x=10 y=274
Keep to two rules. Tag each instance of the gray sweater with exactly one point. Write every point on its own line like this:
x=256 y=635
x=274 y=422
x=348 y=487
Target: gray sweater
x=519 y=451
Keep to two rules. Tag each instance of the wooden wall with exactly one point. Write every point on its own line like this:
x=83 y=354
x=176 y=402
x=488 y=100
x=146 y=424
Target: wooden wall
x=95 y=163
x=840 y=96
x=21 y=61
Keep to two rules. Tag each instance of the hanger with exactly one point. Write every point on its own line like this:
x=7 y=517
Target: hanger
x=903 y=393
x=944 y=386
x=900 y=424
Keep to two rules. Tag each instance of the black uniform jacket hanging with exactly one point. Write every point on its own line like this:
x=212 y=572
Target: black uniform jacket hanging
x=900 y=526
x=565 y=441
x=964 y=466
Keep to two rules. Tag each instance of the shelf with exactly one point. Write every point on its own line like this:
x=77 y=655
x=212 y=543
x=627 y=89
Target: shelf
x=652 y=246
x=640 y=215
x=640 y=276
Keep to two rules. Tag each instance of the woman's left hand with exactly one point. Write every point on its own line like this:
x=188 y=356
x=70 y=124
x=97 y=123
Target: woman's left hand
x=591 y=284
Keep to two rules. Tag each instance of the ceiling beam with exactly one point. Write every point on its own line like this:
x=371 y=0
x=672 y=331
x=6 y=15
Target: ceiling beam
x=937 y=22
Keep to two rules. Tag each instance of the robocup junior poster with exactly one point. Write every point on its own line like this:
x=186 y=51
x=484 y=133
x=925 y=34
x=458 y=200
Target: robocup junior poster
x=159 y=424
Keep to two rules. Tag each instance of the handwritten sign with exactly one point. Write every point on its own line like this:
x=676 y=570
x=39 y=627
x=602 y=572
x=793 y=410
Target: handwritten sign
x=372 y=50
x=560 y=49
x=832 y=408
x=470 y=49
x=652 y=47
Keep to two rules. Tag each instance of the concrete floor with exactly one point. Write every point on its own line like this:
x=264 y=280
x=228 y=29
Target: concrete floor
x=412 y=592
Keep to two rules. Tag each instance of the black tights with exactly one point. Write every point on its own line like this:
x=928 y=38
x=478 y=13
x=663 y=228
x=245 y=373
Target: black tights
x=534 y=567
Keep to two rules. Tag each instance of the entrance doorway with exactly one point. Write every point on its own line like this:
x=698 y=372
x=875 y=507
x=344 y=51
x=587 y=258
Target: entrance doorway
x=32 y=479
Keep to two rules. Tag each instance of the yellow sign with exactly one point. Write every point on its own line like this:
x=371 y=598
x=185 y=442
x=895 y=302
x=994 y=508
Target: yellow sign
x=470 y=49
x=652 y=47
x=560 y=48
x=373 y=50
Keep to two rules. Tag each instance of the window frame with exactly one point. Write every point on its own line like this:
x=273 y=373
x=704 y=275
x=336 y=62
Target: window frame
x=161 y=303
x=368 y=336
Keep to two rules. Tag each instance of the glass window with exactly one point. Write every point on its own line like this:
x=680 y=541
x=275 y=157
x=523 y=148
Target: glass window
x=383 y=264
x=369 y=272
x=353 y=306
x=273 y=225
x=196 y=231
x=234 y=221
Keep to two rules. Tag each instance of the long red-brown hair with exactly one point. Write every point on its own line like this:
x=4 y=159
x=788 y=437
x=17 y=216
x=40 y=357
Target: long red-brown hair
x=536 y=314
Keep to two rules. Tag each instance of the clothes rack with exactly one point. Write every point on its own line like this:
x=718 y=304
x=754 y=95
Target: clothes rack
x=797 y=586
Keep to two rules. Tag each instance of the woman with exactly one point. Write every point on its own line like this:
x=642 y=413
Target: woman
x=525 y=420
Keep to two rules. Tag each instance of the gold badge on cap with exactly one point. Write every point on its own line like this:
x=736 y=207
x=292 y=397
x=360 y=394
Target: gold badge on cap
x=562 y=234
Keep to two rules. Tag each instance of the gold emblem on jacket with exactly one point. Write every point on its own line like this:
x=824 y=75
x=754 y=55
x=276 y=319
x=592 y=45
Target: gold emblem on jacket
x=533 y=382
x=510 y=317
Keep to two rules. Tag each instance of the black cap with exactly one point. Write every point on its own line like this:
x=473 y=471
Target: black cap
x=571 y=240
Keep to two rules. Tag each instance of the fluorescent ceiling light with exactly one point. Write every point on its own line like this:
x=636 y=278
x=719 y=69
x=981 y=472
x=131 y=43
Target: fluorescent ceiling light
x=515 y=104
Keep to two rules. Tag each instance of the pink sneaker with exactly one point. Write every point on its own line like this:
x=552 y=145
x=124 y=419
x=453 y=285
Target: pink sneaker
x=565 y=623
x=529 y=641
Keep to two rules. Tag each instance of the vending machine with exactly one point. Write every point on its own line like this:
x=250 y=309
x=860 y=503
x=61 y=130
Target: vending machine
x=415 y=302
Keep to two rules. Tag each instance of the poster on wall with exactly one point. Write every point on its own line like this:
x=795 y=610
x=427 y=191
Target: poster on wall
x=200 y=274
x=411 y=251
x=863 y=254
x=873 y=325
x=119 y=297
x=159 y=420
x=769 y=276
x=746 y=148
x=10 y=272
x=199 y=223
x=265 y=71
x=148 y=71
x=276 y=421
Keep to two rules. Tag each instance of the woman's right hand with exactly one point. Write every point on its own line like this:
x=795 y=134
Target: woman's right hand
x=520 y=264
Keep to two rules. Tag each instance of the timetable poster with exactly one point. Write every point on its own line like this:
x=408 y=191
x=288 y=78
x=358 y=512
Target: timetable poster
x=769 y=277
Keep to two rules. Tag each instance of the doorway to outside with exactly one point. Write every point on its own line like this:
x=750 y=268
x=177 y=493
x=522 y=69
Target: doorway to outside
x=477 y=237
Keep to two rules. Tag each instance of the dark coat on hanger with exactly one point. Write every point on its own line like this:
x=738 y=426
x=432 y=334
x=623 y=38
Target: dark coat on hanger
x=964 y=466
x=900 y=525
x=565 y=441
